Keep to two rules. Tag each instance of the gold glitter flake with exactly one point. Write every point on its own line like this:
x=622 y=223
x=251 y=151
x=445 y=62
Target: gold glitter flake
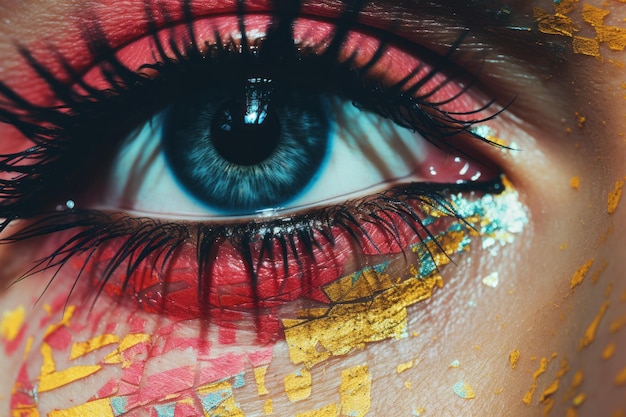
x=56 y=380
x=575 y=183
x=404 y=366
x=580 y=274
x=355 y=391
x=464 y=390
x=615 y=196
x=590 y=333
x=608 y=351
x=298 y=386
x=350 y=326
x=331 y=410
x=513 y=358
x=620 y=378
x=543 y=365
x=579 y=400
x=259 y=377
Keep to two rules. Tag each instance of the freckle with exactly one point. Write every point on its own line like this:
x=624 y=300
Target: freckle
x=615 y=196
x=620 y=378
x=580 y=274
x=590 y=333
x=575 y=182
x=513 y=358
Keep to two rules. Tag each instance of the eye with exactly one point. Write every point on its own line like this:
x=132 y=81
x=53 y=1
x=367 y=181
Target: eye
x=302 y=149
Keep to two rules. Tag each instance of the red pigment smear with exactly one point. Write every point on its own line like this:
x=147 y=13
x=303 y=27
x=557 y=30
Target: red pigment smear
x=22 y=390
x=11 y=347
x=169 y=382
x=109 y=389
x=60 y=339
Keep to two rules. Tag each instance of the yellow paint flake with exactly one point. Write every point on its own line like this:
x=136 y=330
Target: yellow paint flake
x=404 y=366
x=228 y=406
x=28 y=347
x=513 y=358
x=268 y=407
x=549 y=403
x=615 y=196
x=578 y=379
x=620 y=378
x=349 y=326
x=128 y=342
x=259 y=377
x=100 y=408
x=579 y=400
x=464 y=390
x=617 y=324
x=570 y=412
x=419 y=411
x=355 y=391
x=575 y=183
x=580 y=274
x=586 y=46
x=543 y=365
x=408 y=385
x=298 y=386
x=594 y=15
x=331 y=410
x=12 y=323
x=590 y=333
x=47 y=366
x=82 y=348
x=58 y=379
x=552 y=388
x=65 y=321
x=596 y=275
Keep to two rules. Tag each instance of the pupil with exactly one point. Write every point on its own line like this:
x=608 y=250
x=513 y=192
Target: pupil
x=245 y=134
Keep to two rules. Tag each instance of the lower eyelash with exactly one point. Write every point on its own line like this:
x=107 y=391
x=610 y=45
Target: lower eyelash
x=125 y=250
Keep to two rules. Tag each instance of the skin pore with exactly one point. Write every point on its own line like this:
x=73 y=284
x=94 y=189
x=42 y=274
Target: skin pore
x=535 y=323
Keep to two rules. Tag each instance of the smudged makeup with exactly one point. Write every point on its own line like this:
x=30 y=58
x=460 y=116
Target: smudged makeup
x=310 y=173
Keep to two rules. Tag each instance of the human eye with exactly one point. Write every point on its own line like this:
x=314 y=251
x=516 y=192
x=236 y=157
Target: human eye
x=258 y=174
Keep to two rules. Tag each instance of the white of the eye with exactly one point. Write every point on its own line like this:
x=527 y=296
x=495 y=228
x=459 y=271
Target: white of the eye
x=366 y=153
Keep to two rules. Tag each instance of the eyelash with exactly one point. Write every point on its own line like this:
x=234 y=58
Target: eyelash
x=58 y=135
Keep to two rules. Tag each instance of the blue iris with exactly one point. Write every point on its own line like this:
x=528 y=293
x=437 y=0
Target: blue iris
x=248 y=151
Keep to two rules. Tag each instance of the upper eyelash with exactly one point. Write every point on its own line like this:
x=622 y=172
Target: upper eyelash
x=55 y=142
x=52 y=147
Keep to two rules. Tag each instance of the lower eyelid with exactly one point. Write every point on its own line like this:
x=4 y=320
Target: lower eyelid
x=157 y=265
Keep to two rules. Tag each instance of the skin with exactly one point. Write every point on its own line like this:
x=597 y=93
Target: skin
x=532 y=310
